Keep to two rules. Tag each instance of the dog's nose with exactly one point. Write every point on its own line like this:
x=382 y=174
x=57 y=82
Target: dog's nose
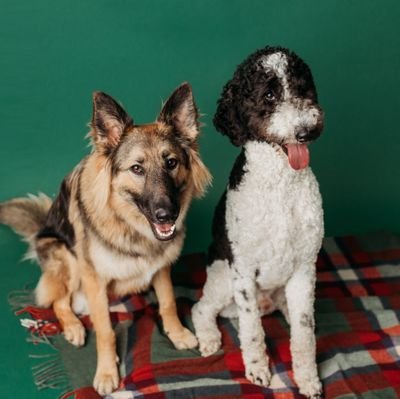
x=163 y=215
x=302 y=137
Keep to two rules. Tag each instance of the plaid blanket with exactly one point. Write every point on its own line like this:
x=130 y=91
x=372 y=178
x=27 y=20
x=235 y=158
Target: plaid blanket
x=358 y=335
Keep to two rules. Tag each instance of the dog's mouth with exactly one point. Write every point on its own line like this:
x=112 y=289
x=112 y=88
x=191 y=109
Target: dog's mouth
x=298 y=155
x=163 y=231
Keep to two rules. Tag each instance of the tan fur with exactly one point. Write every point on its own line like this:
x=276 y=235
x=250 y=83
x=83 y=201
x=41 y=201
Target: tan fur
x=201 y=175
x=25 y=215
x=49 y=289
x=182 y=337
x=106 y=245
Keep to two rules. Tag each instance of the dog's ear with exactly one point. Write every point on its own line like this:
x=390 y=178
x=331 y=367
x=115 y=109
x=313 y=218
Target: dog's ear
x=201 y=176
x=109 y=121
x=227 y=117
x=180 y=111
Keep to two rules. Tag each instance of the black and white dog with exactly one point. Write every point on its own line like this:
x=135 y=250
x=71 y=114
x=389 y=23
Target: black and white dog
x=268 y=226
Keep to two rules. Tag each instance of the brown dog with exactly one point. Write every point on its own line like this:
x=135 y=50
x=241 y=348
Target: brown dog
x=117 y=224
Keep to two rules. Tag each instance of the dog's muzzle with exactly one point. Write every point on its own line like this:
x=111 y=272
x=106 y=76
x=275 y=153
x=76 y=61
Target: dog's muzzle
x=163 y=222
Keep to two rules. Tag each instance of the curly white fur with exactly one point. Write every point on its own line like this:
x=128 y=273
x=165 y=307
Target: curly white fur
x=277 y=231
x=274 y=222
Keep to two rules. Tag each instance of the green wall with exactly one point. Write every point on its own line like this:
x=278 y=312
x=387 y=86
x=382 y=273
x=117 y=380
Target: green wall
x=55 y=53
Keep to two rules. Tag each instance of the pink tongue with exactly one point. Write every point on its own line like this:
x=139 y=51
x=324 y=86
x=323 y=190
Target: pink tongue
x=165 y=228
x=299 y=156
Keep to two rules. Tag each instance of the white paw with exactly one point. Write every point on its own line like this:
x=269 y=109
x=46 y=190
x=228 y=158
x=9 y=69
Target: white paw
x=75 y=333
x=209 y=343
x=183 y=339
x=311 y=388
x=258 y=372
x=106 y=381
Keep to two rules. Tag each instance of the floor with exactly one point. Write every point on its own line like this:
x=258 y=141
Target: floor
x=15 y=365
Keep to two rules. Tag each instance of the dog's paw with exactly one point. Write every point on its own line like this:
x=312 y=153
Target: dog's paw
x=312 y=388
x=209 y=344
x=258 y=372
x=106 y=381
x=75 y=333
x=183 y=339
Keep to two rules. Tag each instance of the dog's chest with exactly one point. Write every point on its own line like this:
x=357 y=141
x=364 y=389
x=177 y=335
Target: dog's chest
x=274 y=216
x=114 y=266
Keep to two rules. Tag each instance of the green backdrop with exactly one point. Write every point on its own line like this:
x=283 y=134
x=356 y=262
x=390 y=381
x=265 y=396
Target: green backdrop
x=55 y=54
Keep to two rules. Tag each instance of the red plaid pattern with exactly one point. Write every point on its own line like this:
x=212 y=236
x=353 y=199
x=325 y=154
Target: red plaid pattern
x=358 y=333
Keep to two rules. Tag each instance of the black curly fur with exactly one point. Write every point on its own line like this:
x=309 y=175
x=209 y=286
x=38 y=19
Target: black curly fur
x=220 y=247
x=243 y=103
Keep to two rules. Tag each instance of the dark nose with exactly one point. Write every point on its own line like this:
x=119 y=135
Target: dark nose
x=302 y=137
x=164 y=215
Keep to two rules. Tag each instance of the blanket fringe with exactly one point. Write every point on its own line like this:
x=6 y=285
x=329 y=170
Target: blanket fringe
x=20 y=299
x=37 y=338
x=50 y=373
x=81 y=393
x=23 y=301
x=37 y=313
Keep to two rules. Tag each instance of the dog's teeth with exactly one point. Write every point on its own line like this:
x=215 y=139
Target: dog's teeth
x=166 y=234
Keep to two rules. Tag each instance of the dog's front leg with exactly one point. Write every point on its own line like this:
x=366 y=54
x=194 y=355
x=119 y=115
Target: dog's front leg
x=251 y=333
x=300 y=300
x=106 y=378
x=180 y=336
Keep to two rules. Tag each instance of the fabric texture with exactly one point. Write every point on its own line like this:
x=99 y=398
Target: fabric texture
x=357 y=327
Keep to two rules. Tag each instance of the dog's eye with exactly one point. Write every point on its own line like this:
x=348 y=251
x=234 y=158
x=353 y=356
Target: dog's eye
x=270 y=96
x=137 y=170
x=171 y=163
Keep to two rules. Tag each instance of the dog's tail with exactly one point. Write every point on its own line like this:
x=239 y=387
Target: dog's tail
x=26 y=216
